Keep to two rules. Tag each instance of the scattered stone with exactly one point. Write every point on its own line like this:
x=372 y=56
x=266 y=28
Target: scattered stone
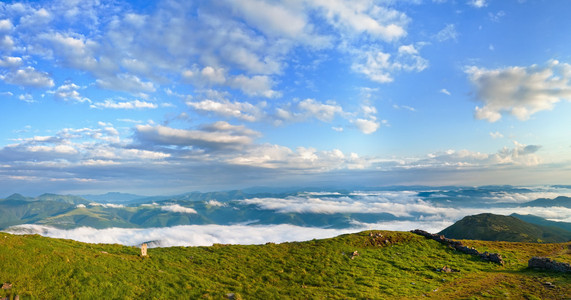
x=104 y=252
x=447 y=269
x=230 y=296
x=376 y=235
x=457 y=245
x=413 y=283
x=355 y=253
x=549 y=284
x=546 y=263
x=6 y=286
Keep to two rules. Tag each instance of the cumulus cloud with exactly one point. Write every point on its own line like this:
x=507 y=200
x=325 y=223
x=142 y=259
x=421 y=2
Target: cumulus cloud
x=28 y=77
x=134 y=104
x=240 y=110
x=521 y=155
x=126 y=82
x=218 y=135
x=69 y=92
x=478 y=3
x=306 y=109
x=496 y=135
x=367 y=126
x=519 y=91
x=11 y=62
x=6 y=25
x=178 y=209
x=379 y=66
x=365 y=17
x=258 y=85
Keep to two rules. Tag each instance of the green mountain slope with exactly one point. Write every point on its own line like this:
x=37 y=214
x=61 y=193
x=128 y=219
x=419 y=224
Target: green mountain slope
x=356 y=266
x=541 y=221
x=490 y=227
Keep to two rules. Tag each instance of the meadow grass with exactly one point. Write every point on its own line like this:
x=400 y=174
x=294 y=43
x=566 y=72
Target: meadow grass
x=397 y=265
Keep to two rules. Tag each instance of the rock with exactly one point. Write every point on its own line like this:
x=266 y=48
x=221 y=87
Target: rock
x=446 y=269
x=230 y=296
x=6 y=286
x=493 y=257
x=546 y=263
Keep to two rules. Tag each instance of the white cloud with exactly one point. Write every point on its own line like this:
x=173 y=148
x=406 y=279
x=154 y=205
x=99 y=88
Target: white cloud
x=75 y=50
x=186 y=235
x=178 y=209
x=126 y=82
x=367 y=126
x=279 y=20
x=447 y=33
x=69 y=92
x=379 y=66
x=216 y=136
x=259 y=85
x=28 y=77
x=496 y=135
x=11 y=62
x=134 y=104
x=302 y=159
x=364 y=17
x=216 y=203
x=241 y=110
x=26 y=98
x=321 y=111
x=520 y=91
x=6 y=25
x=445 y=92
x=478 y=3
x=306 y=109
x=520 y=155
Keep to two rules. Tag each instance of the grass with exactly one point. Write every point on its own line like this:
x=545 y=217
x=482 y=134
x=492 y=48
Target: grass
x=405 y=267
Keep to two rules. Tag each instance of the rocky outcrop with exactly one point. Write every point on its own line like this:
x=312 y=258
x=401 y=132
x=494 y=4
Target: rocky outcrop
x=457 y=245
x=546 y=263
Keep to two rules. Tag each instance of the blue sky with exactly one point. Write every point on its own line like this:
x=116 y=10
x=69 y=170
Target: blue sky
x=163 y=97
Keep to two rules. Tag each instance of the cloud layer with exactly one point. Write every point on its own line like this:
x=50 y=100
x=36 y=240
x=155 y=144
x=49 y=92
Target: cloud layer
x=520 y=91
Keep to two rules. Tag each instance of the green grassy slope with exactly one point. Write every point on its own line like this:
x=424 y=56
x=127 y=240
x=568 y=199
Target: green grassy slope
x=490 y=227
x=404 y=267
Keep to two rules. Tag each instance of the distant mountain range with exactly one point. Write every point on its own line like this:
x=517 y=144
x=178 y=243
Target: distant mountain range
x=490 y=227
x=561 y=201
x=312 y=209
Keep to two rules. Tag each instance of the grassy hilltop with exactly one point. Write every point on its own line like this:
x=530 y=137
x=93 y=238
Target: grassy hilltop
x=396 y=265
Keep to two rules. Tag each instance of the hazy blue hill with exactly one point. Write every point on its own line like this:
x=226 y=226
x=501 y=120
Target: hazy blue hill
x=70 y=199
x=490 y=227
x=17 y=197
x=114 y=197
x=546 y=202
x=541 y=221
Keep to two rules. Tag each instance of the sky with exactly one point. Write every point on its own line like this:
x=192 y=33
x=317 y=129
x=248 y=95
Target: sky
x=164 y=97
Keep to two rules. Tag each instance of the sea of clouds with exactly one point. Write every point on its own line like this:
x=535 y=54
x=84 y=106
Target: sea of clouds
x=412 y=211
